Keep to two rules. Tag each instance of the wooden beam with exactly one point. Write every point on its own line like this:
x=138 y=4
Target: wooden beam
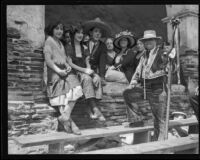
x=57 y=137
x=159 y=147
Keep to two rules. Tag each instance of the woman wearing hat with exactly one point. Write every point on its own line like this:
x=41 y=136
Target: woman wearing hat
x=90 y=81
x=123 y=63
x=151 y=73
x=111 y=74
x=63 y=87
x=124 y=41
x=97 y=29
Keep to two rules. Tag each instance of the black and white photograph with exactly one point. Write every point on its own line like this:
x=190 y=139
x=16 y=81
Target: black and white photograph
x=102 y=79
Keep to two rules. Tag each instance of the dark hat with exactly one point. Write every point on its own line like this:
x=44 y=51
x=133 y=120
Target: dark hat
x=125 y=34
x=97 y=22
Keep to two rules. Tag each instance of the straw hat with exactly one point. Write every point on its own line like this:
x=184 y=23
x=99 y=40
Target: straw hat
x=125 y=34
x=97 y=22
x=150 y=34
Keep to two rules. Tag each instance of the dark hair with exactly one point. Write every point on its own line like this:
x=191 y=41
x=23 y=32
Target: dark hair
x=66 y=30
x=91 y=30
x=109 y=38
x=128 y=46
x=167 y=43
x=49 y=29
x=73 y=30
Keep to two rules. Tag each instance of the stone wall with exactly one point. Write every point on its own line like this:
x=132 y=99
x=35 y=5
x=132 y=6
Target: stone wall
x=25 y=68
x=32 y=118
x=190 y=63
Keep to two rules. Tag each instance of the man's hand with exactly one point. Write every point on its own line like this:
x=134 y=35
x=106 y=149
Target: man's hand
x=133 y=82
x=172 y=53
x=197 y=91
x=111 y=68
x=130 y=86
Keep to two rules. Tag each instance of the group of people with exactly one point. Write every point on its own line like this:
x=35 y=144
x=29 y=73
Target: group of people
x=79 y=63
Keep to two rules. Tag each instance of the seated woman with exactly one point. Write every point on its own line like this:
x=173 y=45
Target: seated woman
x=111 y=54
x=124 y=61
x=140 y=51
x=90 y=81
x=111 y=74
x=63 y=88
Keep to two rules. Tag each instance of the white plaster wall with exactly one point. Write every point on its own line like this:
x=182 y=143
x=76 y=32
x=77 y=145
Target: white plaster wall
x=174 y=9
x=33 y=21
x=188 y=26
x=193 y=32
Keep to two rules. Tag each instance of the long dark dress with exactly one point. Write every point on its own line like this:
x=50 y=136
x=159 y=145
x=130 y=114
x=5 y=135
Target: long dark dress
x=127 y=64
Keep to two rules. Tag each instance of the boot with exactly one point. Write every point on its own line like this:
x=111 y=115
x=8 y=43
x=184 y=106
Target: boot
x=98 y=114
x=136 y=124
x=65 y=124
x=92 y=116
x=74 y=127
x=60 y=127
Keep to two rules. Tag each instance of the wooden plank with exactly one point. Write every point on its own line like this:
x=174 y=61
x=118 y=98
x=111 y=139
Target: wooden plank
x=40 y=139
x=51 y=138
x=158 y=147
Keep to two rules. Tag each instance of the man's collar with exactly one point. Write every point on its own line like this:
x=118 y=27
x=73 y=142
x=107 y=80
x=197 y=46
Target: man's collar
x=153 y=49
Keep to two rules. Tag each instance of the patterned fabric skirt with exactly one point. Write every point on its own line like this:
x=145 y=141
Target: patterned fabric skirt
x=62 y=90
x=72 y=95
x=91 y=85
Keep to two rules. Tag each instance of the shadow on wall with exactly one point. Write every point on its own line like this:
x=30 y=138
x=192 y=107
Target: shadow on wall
x=136 y=18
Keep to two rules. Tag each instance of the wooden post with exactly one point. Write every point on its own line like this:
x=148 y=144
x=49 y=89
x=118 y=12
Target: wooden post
x=168 y=102
x=57 y=148
x=141 y=137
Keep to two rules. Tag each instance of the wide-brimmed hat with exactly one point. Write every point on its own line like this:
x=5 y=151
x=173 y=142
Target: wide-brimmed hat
x=125 y=34
x=97 y=22
x=150 y=34
x=179 y=113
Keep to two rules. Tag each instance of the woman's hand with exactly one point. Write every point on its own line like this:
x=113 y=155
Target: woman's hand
x=62 y=72
x=68 y=67
x=89 y=71
x=69 y=60
x=111 y=68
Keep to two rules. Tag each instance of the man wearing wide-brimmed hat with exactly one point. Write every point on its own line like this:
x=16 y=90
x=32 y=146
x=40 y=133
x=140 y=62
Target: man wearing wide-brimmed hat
x=150 y=72
x=97 y=29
